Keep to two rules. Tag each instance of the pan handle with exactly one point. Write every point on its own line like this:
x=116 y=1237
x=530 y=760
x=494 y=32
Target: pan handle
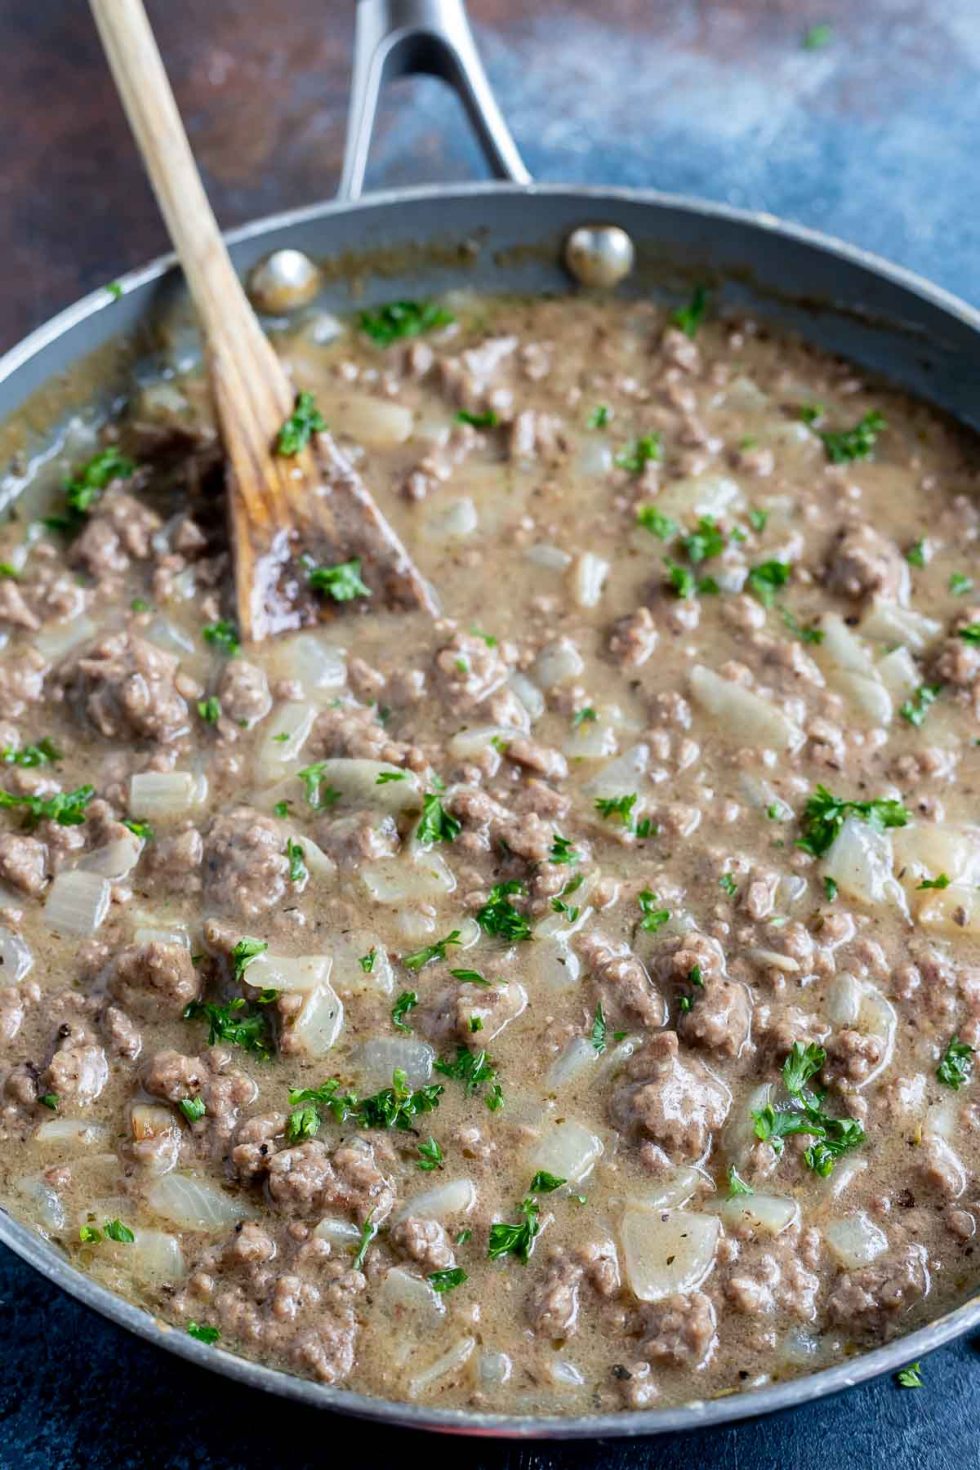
x=394 y=38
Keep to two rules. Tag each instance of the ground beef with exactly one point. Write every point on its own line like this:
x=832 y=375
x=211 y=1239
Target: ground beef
x=307 y=1179
x=679 y=1331
x=119 y=531
x=424 y=1241
x=623 y=980
x=871 y=1300
x=720 y=1018
x=534 y=756
x=14 y=607
x=633 y=638
x=493 y=826
x=172 y=1076
x=246 y=871
x=450 y=1015
x=673 y=1100
x=862 y=562
x=173 y=863
x=243 y=692
x=353 y=730
x=126 y=688
x=154 y=978
x=21 y=682
x=362 y=837
x=774 y=1276
x=466 y=671
x=552 y=1305
x=23 y=863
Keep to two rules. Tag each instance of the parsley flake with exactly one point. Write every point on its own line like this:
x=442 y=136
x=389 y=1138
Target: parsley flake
x=304 y=421
x=765 y=580
x=653 y=918
x=222 y=635
x=956 y=1066
x=436 y=824
x=341 y=582
x=448 y=1279
x=516 y=1239
x=647 y=449
x=915 y=709
x=824 y=816
x=202 y=1333
x=429 y=952
x=499 y=917
x=690 y=317
x=430 y=1156
x=406 y=1002
x=67 y=808
x=399 y=319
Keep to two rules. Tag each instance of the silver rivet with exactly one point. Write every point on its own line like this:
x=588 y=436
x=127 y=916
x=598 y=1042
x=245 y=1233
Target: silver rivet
x=599 y=255
x=283 y=281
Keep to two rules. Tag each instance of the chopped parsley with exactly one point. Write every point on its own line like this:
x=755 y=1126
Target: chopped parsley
x=599 y=417
x=436 y=824
x=49 y=1100
x=683 y=583
x=385 y=778
x=475 y=1070
x=690 y=317
x=366 y=961
x=562 y=850
x=599 y=1030
x=830 y=889
x=87 y=485
x=545 y=1183
x=9 y=571
x=488 y=420
x=915 y=709
x=398 y=319
x=959 y=584
x=811 y=634
x=653 y=519
x=617 y=808
x=222 y=635
x=318 y=796
x=647 y=449
x=942 y=881
x=448 y=1279
x=560 y=902
x=246 y=950
x=916 y=554
x=736 y=1184
x=368 y=1231
x=114 y=290
x=406 y=1002
x=430 y=1156
x=516 y=1240
x=281 y=808
x=429 y=952
x=706 y=541
x=844 y=445
x=89 y=1234
x=67 y=808
x=804 y=1114
x=653 y=918
x=971 y=634
x=117 y=1231
x=342 y=582
x=584 y=716
x=765 y=580
x=209 y=709
x=956 y=1066
x=499 y=917
x=817 y=37
x=758 y=520
x=470 y=977
x=41 y=754
x=910 y=1377
x=393 y=1107
x=728 y=884
x=295 y=852
x=824 y=815
x=304 y=421
x=192 y=1108
x=202 y=1333
x=235 y=1023
x=142 y=830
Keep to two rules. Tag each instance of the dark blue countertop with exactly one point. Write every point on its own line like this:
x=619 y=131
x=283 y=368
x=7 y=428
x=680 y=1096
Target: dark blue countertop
x=873 y=137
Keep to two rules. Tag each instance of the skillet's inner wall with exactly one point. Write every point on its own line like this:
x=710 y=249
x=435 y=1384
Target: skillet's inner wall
x=542 y=854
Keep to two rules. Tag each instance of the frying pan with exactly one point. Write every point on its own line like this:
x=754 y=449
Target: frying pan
x=508 y=236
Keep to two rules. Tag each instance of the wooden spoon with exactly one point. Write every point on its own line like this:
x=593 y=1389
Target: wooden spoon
x=282 y=508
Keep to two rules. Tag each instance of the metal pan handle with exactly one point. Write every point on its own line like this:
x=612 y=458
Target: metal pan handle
x=394 y=38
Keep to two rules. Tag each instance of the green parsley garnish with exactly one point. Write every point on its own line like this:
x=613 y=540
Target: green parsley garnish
x=429 y=952
x=295 y=852
x=617 y=808
x=41 y=754
x=562 y=850
x=436 y=824
x=811 y=634
x=366 y=961
x=304 y=421
x=942 y=881
x=956 y=1066
x=281 y=808
x=584 y=716
x=817 y=37
x=89 y=1234
x=736 y=1184
x=448 y=1279
x=114 y=290
x=86 y=487
x=916 y=554
x=499 y=917
x=824 y=815
x=705 y=542
x=470 y=977
x=368 y=1232
x=192 y=1108
x=203 y=1333
x=652 y=519
x=246 y=950
x=960 y=584
x=117 y=1231
x=599 y=417
x=235 y=1023
x=758 y=520
x=142 y=830
x=804 y=1114
x=318 y=796
x=406 y=1002
x=545 y=1183
x=690 y=317
x=910 y=1377
x=653 y=917
x=49 y=1100
x=599 y=1030
x=515 y=1240
x=830 y=889
x=488 y=420
x=398 y=319
x=844 y=445
x=222 y=635
x=647 y=449
x=475 y=1070
x=765 y=580
x=683 y=583
x=393 y=1107
x=728 y=884
x=67 y=808
x=385 y=778
x=430 y=1156
x=915 y=709
x=342 y=582
x=209 y=710
x=971 y=634
x=560 y=902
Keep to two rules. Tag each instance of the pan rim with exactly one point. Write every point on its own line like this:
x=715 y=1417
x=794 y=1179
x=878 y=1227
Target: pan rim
x=44 y=1257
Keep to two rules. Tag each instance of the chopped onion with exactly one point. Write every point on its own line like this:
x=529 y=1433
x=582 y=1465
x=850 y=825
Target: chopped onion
x=766 y=1214
x=552 y=558
x=622 y=775
x=338 y=1232
x=472 y=741
x=57 y=639
x=150 y=934
x=453 y=520
x=859 y=1005
x=564 y=1374
x=528 y=693
x=311 y=661
x=153 y=1256
x=449 y=1365
x=741 y=714
x=296 y=974
x=578 y=1058
x=320 y=1021
x=850 y=665
x=739 y=1135
x=926 y=849
x=349 y=977
x=115 y=859
x=844 y=1175
x=855 y=1241
x=166 y=793
x=700 y=495
x=376 y=1060
x=899 y=674
x=553 y=963
x=358 y=783
x=169 y=637
x=77 y=902
x=589 y=573
x=591 y=740
x=442 y=1202
x=667 y=1251
x=192 y=1204
x=773 y=959
x=674 y=1189
x=557 y=663
x=860 y=863
x=16 y=958
x=400 y=1292
x=418 y=875
x=285 y=734
x=956 y=1177
x=894 y=624
x=45 y=1200
x=376 y=423
x=494 y=1369
x=568 y=1150
x=70 y=1133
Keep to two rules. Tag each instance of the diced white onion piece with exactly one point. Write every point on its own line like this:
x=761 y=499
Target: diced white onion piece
x=956 y=1178
x=169 y=637
x=552 y=963
x=357 y=782
x=376 y=423
x=70 y=1133
x=852 y=669
x=700 y=495
x=448 y=1366
x=943 y=1120
x=744 y=395
x=855 y=1241
x=557 y=663
x=739 y=1135
x=349 y=977
x=572 y=1064
x=861 y=1006
x=511 y=1001
x=150 y=934
x=844 y=1000
x=860 y=863
x=766 y=1214
x=674 y=1189
x=591 y=740
x=452 y=520
x=77 y=902
x=799 y=1347
x=45 y=1200
x=899 y=674
x=403 y=1293
x=552 y=558
x=338 y=1232
x=494 y=1369
x=567 y=1149
x=564 y=1374
x=927 y=849
x=589 y=573
x=621 y=776
x=57 y=639
x=953 y=911
x=154 y=1256
x=843 y=1175
x=115 y=859
x=791 y=889
x=320 y=1021
x=470 y=742
x=193 y=1204
x=419 y=875
x=667 y=1251
x=741 y=714
x=375 y=1062
x=284 y=735
x=559 y=926
x=595 y=458
x=317 y=863
x=894 y=624
x=16 y=958
x=166 y=793
x=528 y=693
x=772 y=959
x=442 y=1202
x=296 y=974
x=311 y=661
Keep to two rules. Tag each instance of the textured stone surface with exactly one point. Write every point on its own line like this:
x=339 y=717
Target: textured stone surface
x=872 y=138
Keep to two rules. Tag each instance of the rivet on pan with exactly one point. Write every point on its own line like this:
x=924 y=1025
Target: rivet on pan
x=599 y=255
x=283 y=281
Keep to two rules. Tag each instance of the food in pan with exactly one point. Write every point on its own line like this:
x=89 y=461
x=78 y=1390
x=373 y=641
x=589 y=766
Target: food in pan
x=566 y=1003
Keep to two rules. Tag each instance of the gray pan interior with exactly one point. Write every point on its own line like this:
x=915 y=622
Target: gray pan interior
x=508 y=237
